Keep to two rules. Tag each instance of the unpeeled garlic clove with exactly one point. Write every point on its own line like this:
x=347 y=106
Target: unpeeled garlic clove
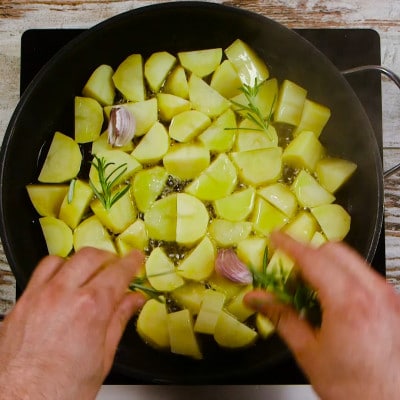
x=228 y=265
x=122 y=126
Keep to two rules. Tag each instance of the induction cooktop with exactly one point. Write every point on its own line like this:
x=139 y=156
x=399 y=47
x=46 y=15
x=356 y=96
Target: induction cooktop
x=346 y=48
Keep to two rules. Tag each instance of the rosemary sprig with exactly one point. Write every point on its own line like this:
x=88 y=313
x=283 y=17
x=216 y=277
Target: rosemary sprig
x=139 y=284
x=302 y=297
x=253 y=112
x=107 y=181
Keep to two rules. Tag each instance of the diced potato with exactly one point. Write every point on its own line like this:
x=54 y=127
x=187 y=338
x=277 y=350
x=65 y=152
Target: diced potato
x=237 y=308
x=215 y=182
x=145 y=113
x=265 y=327
x=160 y=219
x=264 y=100
x=220 y=135
x=161 y=273
x=259 y=167
x=63 y=160
x=101 y=145
x=198 y=265
x=304 y=151
x=121 y=214
x=177 y=83
x=47 y=199
x=156 y=69
x=225 y=80
x=205 y=99
x=186 y=161
x=251 y=251
x=153 y=146
x=133 y=237
x=152 y=324
x=281 y=265
x=187 y=125
x=249 y=137
x=290 y=103
x=318 y=239
x=170 y=105
x=313 y=118
x=309 y=192
x=76 y=204
x=58 y=236
x=267 y=218
x=302 y=227
x=190 y=295
x=221 y=284
x=128 y=78
x=100 y=85
x=227 y=233
x=88 y=119
x=210 y=309
x=333 y=173
x=115 y=158
x=201 y=62
x=334 y=221
x=147 y=186
x=231 y=333
x=182 y=338
x=247 y=63
x=91 y=233
x=237 y=206
x=281 y=197
x=191 y=219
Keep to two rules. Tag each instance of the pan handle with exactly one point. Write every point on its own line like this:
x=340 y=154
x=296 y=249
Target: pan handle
x=391 y=75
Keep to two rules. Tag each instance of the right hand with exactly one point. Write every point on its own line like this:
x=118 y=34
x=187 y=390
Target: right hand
x=355 y=353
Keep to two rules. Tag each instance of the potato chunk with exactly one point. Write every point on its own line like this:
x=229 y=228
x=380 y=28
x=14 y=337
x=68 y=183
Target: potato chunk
x=63 y=160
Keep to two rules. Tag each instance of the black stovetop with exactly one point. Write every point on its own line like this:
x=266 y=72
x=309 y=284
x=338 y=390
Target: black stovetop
x=346 y=48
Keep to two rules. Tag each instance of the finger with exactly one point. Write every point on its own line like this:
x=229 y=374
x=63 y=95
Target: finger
x=129 y=305
x=331 y=269
x=114 y=279
x=296 y=332
x=83 y=265
x=45 y=270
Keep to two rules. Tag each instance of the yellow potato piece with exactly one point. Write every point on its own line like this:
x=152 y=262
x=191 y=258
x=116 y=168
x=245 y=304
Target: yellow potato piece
x=161 y=273
x=88 y=119
x=91 y=233
x=201 y=62
x=182 y=338
x=63 y=160
x=76 y=204
x=210 y=309
x=231 y=333
x=128 y=78
x=58 y=236
x=198 y=265
x=157 y=67
x=47 y=199
x=152 y=324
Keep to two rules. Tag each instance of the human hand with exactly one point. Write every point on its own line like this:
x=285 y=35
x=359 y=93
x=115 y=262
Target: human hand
x=355 y=353
x=60 y=339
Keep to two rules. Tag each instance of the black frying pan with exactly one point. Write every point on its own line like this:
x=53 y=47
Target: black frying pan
x=47 y=106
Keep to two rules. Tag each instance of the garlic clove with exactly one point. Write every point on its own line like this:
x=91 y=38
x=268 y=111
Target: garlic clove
x=228 y=265
x=122 y=126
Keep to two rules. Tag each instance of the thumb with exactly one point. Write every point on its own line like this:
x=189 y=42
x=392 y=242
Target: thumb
x=295 y=331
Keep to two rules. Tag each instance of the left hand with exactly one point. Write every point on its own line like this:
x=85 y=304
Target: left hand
x=60 y=339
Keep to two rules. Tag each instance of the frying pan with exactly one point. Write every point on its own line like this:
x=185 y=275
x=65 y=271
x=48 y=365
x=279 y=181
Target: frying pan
x=47 y=106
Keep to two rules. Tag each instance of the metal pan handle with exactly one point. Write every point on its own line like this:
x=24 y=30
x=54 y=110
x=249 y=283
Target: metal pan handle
x=391 y=75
